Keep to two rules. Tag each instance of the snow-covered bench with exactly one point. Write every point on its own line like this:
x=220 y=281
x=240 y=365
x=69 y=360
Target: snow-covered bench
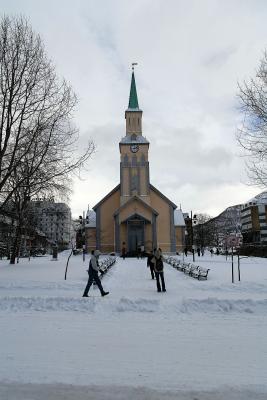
x=105 y=264
x=197 y=272
x=203 y=273
x=192 y=270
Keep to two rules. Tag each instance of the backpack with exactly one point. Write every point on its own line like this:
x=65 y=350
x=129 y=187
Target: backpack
x=159 y=265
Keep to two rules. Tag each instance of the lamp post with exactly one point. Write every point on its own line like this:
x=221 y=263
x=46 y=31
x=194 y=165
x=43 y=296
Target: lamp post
x=190 y=231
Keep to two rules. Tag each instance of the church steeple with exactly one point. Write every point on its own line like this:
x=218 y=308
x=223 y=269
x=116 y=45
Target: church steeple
x=134 y=176
x=133 y=100
x=133 y=114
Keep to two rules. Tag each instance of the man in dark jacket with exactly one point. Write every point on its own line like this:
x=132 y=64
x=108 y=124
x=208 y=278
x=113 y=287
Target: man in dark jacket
x=158 y=266
x=93 y=274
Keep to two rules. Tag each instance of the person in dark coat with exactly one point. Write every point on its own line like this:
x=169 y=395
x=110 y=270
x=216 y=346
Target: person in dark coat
x=123 y=251
x=198 y=252
x=139 y=252
x=93 y=274
x=150 y=264
x=158 y=267
x=185 y=251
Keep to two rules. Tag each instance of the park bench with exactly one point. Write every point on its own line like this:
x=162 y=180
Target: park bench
x=203 y=273
x=105 y=264
x=192 y=270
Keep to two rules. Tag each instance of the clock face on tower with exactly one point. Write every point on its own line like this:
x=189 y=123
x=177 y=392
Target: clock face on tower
x=134 y=148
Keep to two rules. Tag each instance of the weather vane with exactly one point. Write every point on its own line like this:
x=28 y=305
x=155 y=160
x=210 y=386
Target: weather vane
x=133 y=65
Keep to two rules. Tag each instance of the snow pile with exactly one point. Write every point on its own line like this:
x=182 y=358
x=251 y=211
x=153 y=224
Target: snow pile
x=214 y=305
x=186 y=306
x=138 y=305
x=46 y=304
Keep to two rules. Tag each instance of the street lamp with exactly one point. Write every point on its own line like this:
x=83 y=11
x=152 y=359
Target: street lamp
x=190 y=222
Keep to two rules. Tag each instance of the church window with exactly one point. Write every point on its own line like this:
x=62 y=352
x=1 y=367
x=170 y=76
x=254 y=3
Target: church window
x=133 y=137
x=125 y=159
x=143 y=159
x=134 y=182
x=134 y=160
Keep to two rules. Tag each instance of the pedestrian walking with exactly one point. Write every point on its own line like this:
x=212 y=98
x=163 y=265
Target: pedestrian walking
x=150 y=264
x=202 y=251
x=123 y=251
x=93 y=274
x=198 y=252
x=185 y=251
x=142 y=251
x=158 y=267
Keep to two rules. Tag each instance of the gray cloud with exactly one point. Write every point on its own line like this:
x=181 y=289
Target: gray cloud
x=191 y=55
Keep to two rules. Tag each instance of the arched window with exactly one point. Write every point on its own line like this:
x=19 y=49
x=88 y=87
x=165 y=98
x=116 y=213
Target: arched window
x=134 y=160
x=143 y=159
x=134 y=182
x=133 y=137
x=125 y=160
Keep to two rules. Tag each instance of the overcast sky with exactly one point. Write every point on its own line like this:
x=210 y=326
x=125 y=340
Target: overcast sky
x=190 y=55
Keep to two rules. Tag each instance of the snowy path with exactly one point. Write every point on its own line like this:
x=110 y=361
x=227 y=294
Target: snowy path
x=199 y=336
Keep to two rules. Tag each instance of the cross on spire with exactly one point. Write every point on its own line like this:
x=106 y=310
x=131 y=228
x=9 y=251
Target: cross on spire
x=133 y=65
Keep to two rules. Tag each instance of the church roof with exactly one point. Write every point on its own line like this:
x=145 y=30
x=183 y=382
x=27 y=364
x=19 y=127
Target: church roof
x=136 y=198
x=178 y=218
x=90 y=219
x=128 y=139
x=107 y=196
x=133 y=100
x=162 y=196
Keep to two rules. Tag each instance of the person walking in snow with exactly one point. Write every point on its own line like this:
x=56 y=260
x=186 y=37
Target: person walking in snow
x=123 y=251
x=150 y=263
x=158 y=267
x=142 y=251
x=139 y=253
x=93 y=274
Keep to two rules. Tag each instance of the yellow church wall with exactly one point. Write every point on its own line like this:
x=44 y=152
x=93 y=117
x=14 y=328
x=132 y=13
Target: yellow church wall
x=179 y=235
x=123 y=235
x=148 y=237
x=133 y=122
x=163 y=221
x=90 y=239
x=107 y=209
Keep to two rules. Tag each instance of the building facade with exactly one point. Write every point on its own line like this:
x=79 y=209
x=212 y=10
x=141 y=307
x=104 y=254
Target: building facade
x=135 y=213
x=54 y=220
x=254 y=220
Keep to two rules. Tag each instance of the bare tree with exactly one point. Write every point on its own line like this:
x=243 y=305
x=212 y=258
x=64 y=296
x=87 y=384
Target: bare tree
x=37 y=137
x=202 y=230
x=38 y=140
x=252 y=136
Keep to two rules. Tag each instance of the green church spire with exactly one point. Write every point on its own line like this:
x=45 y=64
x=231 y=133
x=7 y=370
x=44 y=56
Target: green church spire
x=133 y=100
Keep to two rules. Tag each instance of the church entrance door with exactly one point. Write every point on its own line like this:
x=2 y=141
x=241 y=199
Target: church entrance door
x=136 y=233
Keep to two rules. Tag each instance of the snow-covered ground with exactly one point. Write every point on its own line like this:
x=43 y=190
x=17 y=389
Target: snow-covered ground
x=199 y=340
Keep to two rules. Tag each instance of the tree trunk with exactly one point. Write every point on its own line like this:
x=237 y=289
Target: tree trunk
x=15 y=247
